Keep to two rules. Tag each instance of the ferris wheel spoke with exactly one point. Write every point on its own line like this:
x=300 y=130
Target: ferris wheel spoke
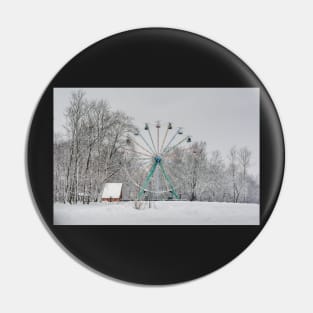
x=140 y=157
x=178 y=132
x=146 y=142
x=143 y=158
x=158 y=137
x=137 y=152
x=169 y=155
x=140 y=146
x=167 y=167
x=142 y=165
x=158 y=126
x=146 y=165
x=165 y=183
x=165 y=135
x=169 y=181
x=173 y=173
x=171 y=148
x=152 y=140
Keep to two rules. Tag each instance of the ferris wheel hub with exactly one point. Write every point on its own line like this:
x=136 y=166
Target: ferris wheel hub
x=157 y=159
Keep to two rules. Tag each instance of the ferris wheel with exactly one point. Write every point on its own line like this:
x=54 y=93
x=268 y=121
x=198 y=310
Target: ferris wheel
x=153 y=152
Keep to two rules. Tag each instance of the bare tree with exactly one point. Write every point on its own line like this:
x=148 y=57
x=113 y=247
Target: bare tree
x=234 y=173
x=244 y=156
x=195 y=164
x=74 y=114
x=93 y=149
x=216 y=187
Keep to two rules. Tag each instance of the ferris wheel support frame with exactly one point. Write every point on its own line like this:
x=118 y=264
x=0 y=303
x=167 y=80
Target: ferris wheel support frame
x=157 y=162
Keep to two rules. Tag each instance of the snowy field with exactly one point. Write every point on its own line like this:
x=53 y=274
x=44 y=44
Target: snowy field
x=160 y=213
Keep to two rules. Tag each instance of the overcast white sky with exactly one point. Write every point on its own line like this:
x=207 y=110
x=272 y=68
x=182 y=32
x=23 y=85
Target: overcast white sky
x=223 y=117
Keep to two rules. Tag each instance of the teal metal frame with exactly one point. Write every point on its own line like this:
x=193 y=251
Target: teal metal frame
x=157 y=162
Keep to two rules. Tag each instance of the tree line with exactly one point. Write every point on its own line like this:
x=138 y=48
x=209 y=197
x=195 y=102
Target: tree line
x=91 y=152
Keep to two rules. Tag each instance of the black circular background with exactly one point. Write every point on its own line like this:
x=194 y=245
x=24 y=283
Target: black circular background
x=154 y=57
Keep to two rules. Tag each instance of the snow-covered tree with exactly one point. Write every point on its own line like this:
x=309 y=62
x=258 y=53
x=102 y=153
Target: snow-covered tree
x=216 y=187
x=244 y=156
x=91 y=152
x=195 y=170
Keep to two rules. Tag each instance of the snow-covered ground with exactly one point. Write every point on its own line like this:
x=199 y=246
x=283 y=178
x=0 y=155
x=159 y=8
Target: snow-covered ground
x=160 y=213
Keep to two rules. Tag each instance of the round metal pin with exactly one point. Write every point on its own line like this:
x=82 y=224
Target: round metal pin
x=155 y=156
